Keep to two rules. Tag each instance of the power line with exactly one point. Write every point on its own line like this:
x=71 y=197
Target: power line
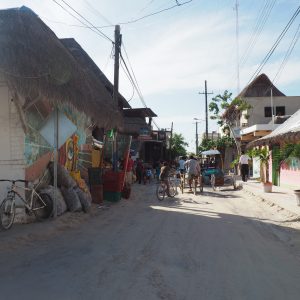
x=96 y=30
x=106 y=26
x=135 y=84
x=271 y=51
x=97 y=12
x=155 y=13
x=261 y=21
x=130 y=80
x=288 y=53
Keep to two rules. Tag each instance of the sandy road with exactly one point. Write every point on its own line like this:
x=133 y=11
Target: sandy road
x=220 y=245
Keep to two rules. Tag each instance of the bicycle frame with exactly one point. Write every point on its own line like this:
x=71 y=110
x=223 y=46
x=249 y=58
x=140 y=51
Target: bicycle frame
x=32 y=194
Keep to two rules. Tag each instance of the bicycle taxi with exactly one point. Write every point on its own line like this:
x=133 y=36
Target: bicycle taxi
x=212 y=170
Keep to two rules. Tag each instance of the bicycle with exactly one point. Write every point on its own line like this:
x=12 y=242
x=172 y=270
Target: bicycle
x=162 y=189
x=39 y=204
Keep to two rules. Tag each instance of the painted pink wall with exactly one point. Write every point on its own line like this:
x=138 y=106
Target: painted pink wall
x=290 y=176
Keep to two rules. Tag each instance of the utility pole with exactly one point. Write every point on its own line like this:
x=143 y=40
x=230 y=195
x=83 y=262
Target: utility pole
x=196 y=138
x=118 y=40
x=171 y=141
x=237 y=46
x=206 y=109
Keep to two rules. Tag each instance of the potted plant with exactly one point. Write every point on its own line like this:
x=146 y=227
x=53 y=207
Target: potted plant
x=264 y=157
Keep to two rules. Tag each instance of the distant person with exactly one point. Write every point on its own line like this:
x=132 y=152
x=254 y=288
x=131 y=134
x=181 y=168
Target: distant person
x=129 y=170
x=139 y=170
x=193 y=169
x=181 y=162
x=148 y=175
x=244 y=166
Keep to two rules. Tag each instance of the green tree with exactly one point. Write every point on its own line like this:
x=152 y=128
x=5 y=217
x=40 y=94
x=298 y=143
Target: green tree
x=178 y=145
x=227 y=112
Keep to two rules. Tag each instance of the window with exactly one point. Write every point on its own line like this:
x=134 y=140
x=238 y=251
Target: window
x=280 y=110
x=268 y=112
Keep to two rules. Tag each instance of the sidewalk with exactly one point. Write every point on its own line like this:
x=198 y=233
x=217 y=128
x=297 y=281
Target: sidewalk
x=282 y=197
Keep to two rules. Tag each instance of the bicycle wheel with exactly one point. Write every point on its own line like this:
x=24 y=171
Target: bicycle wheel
x=213 y=182
x=195 y=186
x=7 y=213
x=234 y=183
x=160 y=191
x=42 y=207
x=172 y=189
x=201 y=183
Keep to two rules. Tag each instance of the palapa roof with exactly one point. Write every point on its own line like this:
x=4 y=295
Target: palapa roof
x=134 y=125
x=139 y=113
x=289 y=131
x=87 y=63
x=260 y=87
x=36 y=64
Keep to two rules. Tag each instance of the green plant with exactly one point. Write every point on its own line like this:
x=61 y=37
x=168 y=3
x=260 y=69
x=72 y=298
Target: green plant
x=227 y=112
x=235 y=162
x=264 y=156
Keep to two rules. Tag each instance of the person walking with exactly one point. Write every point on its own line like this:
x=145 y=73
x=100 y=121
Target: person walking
x=139 y=170
x=193 y=169
x=181 y=163
x=244 y=166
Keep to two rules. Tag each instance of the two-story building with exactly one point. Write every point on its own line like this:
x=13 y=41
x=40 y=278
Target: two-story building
x=261 y=119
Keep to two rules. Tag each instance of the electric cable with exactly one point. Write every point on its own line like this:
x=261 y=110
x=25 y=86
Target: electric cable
x=136 y=88
x=155 y=13
x=271 y=51
x=261 y=22
x=288 y=54
x=128 y=77
x=96 y=12
x=96 y=30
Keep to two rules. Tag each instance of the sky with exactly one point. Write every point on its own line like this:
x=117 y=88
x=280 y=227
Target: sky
x=173 y=52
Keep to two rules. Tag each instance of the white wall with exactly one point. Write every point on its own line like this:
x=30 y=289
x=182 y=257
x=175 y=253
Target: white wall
x=12 y=137
x=257 y=113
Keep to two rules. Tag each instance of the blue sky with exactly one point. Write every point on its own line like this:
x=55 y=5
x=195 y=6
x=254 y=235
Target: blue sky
x=172 y=53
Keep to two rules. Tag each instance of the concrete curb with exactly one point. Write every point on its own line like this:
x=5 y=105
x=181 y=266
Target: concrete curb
x=295 y=216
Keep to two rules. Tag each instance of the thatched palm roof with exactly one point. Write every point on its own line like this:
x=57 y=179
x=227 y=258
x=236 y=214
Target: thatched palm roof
x=260 y=87
x=88 y=64
x=139 y=113
x=36 y=64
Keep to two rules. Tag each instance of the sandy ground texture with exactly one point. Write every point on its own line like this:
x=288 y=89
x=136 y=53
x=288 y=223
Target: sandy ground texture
x=218 y=245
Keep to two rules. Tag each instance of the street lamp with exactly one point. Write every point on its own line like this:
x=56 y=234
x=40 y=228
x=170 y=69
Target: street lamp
x=196 y=119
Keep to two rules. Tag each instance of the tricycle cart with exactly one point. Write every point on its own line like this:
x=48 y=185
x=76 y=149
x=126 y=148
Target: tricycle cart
x=213 y=172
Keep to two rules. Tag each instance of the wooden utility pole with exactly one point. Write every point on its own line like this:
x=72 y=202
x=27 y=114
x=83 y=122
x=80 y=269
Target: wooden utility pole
x=118 y=40
x=171 y=141
x=206 y=109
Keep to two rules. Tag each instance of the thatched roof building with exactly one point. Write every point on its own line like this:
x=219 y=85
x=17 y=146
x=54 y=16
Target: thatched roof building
x=36 y=65
x=288 y=132
x=89 y=65
x=134 y=120
x=260 y=87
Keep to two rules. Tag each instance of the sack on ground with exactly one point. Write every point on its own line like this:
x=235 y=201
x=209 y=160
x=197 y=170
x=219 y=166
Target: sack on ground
x=63 y=176
x=84 y=198
x=71 y=199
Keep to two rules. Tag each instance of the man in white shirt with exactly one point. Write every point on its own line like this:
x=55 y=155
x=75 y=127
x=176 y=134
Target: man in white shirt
x=193 y=169
x=244 y=165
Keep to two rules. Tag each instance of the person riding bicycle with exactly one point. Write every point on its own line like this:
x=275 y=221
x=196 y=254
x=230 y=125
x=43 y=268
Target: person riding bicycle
x=193 y=169
x=164 y=174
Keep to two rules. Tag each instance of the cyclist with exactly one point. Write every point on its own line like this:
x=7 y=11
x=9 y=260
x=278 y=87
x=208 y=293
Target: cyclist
x=193 y=169
x=164 y=174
